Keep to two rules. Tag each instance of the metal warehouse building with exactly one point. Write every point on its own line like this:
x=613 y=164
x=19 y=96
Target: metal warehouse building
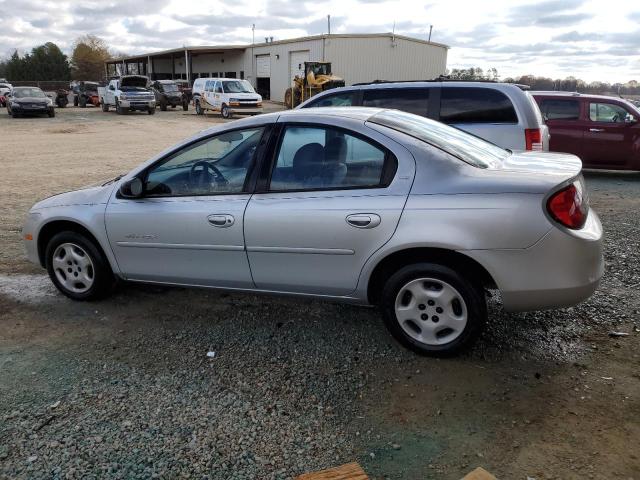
x=271 y=66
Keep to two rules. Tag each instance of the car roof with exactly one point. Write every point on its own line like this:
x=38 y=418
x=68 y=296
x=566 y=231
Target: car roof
x=24 y=87
x=555 y=93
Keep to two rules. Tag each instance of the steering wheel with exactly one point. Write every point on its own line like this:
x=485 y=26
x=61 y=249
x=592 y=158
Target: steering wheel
x=209 y=173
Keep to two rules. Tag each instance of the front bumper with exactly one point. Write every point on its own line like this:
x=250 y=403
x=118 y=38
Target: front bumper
x=562 y=269
x=245 y=110
x=138 y=104
x=38 y=109
x=30 y=236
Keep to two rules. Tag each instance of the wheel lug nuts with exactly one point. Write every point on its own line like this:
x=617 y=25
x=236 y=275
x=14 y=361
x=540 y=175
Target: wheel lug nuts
x=435 y=319
x=421 y=306
x=431 y=303
x=424 y=316
x=439 y=309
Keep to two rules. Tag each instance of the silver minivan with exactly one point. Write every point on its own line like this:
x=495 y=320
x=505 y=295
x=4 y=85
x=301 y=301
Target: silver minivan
x=501 y=113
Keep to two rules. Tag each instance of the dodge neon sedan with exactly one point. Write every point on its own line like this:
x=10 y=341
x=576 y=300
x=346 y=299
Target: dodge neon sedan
x=370 y=206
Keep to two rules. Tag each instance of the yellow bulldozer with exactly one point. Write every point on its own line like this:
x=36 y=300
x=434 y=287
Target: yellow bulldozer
x=317 y=78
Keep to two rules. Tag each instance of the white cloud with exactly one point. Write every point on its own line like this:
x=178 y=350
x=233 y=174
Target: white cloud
x=555 y=38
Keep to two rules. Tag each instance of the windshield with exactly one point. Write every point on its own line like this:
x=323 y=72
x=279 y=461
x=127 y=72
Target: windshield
x=169 y=87
x=468 y=148
x=28 y=92
x=91 y=86
x=237 y=86
x=320 y=69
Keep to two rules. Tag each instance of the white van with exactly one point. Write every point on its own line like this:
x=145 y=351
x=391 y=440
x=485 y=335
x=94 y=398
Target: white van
x=225 y=95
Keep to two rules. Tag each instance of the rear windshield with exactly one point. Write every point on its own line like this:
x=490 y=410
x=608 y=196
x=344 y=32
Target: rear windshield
x=468 y=148
x=475 y=105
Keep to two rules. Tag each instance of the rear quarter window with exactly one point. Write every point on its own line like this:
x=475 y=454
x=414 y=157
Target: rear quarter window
x=558 y=109
x=475 y=105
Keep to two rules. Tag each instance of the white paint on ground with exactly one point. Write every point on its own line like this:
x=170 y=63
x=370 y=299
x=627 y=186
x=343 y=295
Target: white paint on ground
x=27 y=288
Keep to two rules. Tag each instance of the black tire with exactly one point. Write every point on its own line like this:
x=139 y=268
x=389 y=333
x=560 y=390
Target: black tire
x=199 y=110
x=225 y=112
x=471 y=294
x=185 y=106
x=83 y=102
x=119 y=109
x=174 y=105
x=51 y=113
x=163 y=106
x=105 y=107
x=151 y=111
x=75 y=100
x=14 y=114
x=104 y=279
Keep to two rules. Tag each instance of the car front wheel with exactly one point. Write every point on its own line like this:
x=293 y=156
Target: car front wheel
x=225 y=112
x=433 y=310
x=199 y=110
x=77 y=267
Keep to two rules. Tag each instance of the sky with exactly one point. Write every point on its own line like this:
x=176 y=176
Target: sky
x=588 y=39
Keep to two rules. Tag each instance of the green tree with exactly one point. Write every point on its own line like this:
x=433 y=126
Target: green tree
x=45 y=62
x=88 y=58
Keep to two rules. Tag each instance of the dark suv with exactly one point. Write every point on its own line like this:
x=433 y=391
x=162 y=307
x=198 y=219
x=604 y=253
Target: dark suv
x=603 y=131
x=168 y=94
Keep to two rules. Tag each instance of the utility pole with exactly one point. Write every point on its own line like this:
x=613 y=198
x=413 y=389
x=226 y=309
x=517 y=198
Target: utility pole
x=430 y=30
x=328 y=24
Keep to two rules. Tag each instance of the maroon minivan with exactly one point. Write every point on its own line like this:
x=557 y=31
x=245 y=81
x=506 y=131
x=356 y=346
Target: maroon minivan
x=603 y=131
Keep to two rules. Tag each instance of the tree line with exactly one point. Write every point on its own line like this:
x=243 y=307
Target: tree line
x=568 y=84
x=48 y=62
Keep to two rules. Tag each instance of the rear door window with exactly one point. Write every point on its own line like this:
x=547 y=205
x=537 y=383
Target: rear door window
x=475 y=105
x=553 y=109
x=412 y=100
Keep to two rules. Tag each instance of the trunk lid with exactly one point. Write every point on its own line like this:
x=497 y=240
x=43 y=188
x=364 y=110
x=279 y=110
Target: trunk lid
x=542 y=163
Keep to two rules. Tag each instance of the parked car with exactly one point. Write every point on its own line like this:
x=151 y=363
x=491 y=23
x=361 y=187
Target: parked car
x=29 y=101
x=185 y=88
x=225 y=95
x=501 y=113
x=127 y=94
x=85 y=93
x=603 y=131
x=168 y=94
x=370 y=206
x=5 y=88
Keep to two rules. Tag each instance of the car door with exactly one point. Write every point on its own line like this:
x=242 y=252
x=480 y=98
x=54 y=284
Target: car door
x=566 y=124
x=610 y=136
x=332 y=196
x=188 y=226
x=218 y=96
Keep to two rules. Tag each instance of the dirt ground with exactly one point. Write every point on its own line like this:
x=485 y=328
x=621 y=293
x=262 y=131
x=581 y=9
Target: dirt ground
x=546 y=395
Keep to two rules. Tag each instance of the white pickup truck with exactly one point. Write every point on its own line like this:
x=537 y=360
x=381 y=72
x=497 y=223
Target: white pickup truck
x=128 y=93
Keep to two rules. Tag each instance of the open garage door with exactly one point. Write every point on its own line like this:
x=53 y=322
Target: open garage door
x=263 y=75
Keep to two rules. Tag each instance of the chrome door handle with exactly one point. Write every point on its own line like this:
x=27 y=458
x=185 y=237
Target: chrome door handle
x=222 y=221
x=363 y=220
x=596 y=129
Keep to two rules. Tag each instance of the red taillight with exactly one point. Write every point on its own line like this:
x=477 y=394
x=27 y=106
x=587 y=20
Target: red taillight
x=569 y=206
x=533 y=139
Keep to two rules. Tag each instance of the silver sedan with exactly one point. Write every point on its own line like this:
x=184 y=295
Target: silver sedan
x=370 y=206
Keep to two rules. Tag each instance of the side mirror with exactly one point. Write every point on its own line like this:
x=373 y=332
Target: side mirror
x=111 y=87
x=630 y=119
x=133 y=188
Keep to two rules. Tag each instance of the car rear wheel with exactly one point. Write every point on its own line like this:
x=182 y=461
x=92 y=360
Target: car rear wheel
x=163 y=106
x=83 y=102
x=432 y=309
x=77 y=267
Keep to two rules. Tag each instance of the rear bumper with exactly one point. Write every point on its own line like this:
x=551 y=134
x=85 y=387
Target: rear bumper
x=563 y=269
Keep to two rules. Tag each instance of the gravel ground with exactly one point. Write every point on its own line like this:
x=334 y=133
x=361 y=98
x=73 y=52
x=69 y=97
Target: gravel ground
x=123 y=388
